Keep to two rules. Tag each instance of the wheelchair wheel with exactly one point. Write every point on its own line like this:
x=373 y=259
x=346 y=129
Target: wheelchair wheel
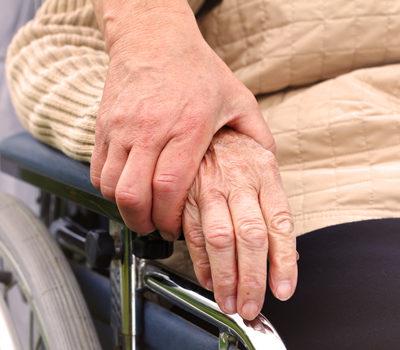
x=34 y=262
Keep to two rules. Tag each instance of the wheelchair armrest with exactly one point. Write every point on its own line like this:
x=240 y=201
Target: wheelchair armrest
x=254 y=335
x=30 y=160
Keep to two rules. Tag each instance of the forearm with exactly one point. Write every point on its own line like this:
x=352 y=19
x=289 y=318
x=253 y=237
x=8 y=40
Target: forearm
x=117 y=18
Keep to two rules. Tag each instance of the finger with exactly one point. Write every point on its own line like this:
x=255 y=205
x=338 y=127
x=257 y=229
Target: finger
x=282 y=254
x=100 y=150
x=134 y=192
x=196 y=244
x=112 y=169
x=97 y=160
x=252 y=249
x=252 y=123
x=176 y=169
x=220 y=245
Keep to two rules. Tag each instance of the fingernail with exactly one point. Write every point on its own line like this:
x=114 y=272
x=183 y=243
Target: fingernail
x=230 y=305
x=250 y=310
x=209 y=284
x=167 y=236
x=284 y=290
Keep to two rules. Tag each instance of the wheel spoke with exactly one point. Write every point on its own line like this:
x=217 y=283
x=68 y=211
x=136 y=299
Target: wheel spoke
x=31 y=323
x=39 y=344
x=6 y=277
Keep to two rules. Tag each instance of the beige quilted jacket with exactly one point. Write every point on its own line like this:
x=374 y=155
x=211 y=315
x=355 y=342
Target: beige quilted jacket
x=326 y=73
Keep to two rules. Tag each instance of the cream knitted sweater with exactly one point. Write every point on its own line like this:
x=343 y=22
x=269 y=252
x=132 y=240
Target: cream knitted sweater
x=338 y=141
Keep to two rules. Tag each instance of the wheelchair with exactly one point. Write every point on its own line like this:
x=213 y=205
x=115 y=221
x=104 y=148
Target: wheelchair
x=91 y=283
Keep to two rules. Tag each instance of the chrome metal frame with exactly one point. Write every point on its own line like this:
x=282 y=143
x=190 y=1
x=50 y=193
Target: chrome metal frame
x=138 y=274
x=255 y=335
x=128 y=287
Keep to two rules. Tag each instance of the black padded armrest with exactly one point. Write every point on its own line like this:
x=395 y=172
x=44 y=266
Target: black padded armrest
x=30 y=160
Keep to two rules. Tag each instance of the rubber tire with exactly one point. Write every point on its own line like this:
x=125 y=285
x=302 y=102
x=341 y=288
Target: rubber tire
x=45 y=278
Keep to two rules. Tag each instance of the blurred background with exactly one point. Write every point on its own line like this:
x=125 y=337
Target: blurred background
x=13 y=15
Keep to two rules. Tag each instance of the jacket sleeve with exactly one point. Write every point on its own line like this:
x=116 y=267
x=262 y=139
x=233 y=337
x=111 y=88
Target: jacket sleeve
x=56 y=67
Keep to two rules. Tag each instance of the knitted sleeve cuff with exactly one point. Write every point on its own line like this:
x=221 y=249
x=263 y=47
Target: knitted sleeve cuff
x=56 y=68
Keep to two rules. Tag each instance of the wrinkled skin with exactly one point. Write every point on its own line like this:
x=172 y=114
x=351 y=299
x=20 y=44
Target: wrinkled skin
x=165 y=97
x=235 y=216
x=166 y=94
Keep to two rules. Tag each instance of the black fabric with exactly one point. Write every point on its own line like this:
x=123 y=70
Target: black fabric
x=207 y=7
x=348 y=294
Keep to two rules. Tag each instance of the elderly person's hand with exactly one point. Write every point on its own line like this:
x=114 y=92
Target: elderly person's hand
x=236 y=216
x=166 y=94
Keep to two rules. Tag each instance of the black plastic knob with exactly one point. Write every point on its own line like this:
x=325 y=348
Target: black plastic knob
x=152 y=247
x=99 y=249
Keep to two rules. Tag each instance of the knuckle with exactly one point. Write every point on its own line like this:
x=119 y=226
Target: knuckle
x=195 y=238
x=253 y=282
x=281 y=223
x=252 y=232
x=268 y=157
x=128 y=199
x=145 y=143
x=196 y=123
x=166 y=183
x=208 y=193
x=95 y=180
x=100 y=121
x=108 y=191
x=148 y=121
x=283 y=252
x=146 y=138
x=284 y=259
x=119 y=118
x=220 y=237
x=225 y=281
x=202 y=265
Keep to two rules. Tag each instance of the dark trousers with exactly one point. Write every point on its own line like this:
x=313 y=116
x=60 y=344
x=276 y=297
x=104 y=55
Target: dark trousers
x=348 y=294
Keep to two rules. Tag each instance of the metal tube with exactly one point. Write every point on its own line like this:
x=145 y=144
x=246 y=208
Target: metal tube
x=226 y=340
x=256 y=334
x=8 y=334
x=127 y=280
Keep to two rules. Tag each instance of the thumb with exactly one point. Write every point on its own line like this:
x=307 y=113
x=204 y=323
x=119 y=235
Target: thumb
x=249 y=121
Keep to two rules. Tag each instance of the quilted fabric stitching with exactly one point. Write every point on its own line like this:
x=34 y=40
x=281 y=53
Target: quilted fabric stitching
x=368 y=162
x=371 y=50
x=329 y=188
x=222 y=44
x=263 y=50
x=385 y=103
x=339 y=213
x=322 y=69
x=332 y=150
x=300 y=161
x=323 y=132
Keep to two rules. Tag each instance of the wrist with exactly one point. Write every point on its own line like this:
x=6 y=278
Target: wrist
x=138 y=21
